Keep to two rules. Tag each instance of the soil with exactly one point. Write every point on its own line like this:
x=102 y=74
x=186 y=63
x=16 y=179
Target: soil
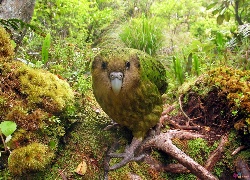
x=213 y=113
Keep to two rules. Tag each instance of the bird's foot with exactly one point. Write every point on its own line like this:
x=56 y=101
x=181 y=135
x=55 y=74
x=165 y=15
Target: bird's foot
x=128 y=155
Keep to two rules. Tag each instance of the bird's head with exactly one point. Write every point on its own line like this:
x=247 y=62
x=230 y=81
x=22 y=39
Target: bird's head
x=116 y=70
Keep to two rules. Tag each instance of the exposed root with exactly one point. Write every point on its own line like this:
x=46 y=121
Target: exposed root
x=177 y=126
x=110 y=126
x=216 y=154
x=158 y=166
x=183 y=111
x=164 y=143
x=238 y=149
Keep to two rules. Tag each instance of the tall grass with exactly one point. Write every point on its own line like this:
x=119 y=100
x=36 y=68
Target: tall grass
x=143 y=34
x=45 y=48
x=178 y=69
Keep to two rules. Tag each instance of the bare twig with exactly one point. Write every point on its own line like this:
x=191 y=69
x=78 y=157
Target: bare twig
x=183 y=110
x=238 y=149
x=62 y=174
x=4 y=144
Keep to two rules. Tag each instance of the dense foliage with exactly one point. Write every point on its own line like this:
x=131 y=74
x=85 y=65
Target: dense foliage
x=186 y=35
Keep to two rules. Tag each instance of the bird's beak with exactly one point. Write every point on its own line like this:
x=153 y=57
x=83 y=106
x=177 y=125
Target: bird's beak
x=116 y=79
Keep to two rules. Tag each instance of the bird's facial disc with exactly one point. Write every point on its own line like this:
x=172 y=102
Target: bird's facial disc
x=116 y=79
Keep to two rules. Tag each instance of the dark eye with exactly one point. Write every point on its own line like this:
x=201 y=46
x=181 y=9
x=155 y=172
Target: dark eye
x=104 y=65
x=127 y=64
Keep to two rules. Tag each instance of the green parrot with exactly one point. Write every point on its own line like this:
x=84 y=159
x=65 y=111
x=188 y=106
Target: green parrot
x=128 y=85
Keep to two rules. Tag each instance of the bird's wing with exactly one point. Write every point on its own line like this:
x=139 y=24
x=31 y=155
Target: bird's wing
x=155 y=71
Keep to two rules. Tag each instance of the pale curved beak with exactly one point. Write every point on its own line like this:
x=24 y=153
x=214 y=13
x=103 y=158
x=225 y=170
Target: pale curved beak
x=116 y=79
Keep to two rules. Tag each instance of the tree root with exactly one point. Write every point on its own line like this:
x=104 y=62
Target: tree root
x=216 y=154
x=164 y=143
x=179 y=168
x=237 y=150
x=158 y=166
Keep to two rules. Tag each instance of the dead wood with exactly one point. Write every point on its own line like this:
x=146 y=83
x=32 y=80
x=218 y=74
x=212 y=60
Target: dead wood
x=164 y=143
x=177 y=126
x=216 y=154
x=238 y=149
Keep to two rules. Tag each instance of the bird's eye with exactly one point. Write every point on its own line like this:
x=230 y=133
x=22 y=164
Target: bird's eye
x=127 y=64
x=104 y=65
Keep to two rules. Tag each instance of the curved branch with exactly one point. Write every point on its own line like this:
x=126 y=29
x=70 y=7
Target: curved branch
x=216 y=154
x=164 y=143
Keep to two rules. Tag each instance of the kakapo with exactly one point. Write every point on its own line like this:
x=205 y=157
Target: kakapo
x=128 y=85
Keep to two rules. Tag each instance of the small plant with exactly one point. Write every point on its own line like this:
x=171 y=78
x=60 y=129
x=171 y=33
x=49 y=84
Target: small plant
x=7 y=128
x=179 y=75
x=196 y=65
x=45 y=48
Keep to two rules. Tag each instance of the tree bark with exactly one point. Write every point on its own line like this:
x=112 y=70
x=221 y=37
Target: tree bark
x=17 y=9
x=22 y=10
x=236 y=10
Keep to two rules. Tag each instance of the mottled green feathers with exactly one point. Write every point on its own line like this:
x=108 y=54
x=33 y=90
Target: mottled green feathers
x=138 y=105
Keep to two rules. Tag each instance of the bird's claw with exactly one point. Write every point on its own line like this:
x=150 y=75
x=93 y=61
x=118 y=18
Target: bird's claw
x=128 y=155
x=126 y=159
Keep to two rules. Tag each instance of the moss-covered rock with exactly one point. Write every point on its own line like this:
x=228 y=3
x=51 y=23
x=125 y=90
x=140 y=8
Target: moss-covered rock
x=39 y=103
x=44 y=89
x=33 y=157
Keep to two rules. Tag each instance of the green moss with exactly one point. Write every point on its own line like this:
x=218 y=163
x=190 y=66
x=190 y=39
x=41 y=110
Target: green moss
x=199 y=149
x=36 y=101
x=39 y=103
x=6 y=49
x=33 y=157
x=42 y=87
x=235 y=82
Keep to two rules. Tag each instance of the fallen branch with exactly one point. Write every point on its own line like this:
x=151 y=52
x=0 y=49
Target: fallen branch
x=164 y=143
x=216 y=154
x=176 y=168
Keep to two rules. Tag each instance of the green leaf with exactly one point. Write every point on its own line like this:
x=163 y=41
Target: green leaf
x=216 y=11
x=227 y=16
x=223 y=10
x=52 y=144
x=45 y=49
x=196 y=64
x=220 y=19
x=7 y=127
x=189 y=63
x=210 y=6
